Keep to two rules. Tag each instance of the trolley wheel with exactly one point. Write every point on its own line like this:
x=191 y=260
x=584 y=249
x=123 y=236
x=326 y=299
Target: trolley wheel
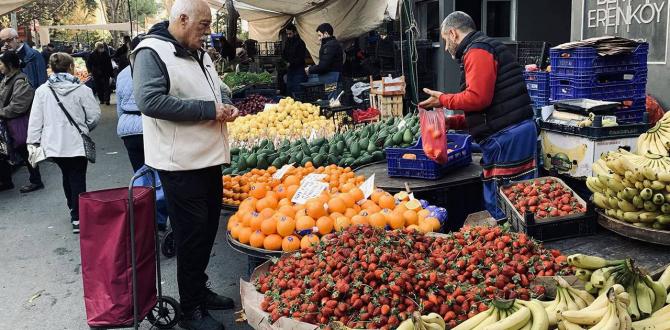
x=168 y=248
x=166 y=314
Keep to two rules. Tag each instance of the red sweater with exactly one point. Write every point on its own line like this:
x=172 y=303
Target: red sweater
x=481 y=71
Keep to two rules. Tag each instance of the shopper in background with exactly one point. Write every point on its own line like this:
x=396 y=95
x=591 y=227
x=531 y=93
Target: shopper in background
x=129 y=127
x=32 y=62
x=50 y=128
x=100 y=66
x=294 y=54
x=185 y=138
x=331 y=56
x=498 y=111
x=46 y=53
x=16 y=97
x=122 y=53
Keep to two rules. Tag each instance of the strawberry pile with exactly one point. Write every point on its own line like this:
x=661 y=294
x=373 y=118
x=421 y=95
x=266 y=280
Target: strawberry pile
x=372 y=278
x=546 y=198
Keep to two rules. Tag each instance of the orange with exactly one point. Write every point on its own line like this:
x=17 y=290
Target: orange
x=304 y=223
x=309 y=164
x=269 y=226
x=425 y=227
x=387 y=202
x=268 y=202
x=290 y=243
x=376 y=195
x=342 y=223
x=256 y=239
x=287 y=210
x=232 y=221
x=266 y=213
x=336 y=204
x=256 y=221
x=360 y=220
x=423 y=214
x=371 y=207
x=248 y=204
x=290 y=191
x=348 y=199
x=414 y=227
x=292 y=180
x=433 y=222
x=325 y=225
x=395 y=220
x=235 y=230
x=413 y=205
x=357 y=193
x=349 y=213
x=285 y=226
x=377 y=220
x=309 y=240
x=257 y=190
x=273 y=242
x=315 y=208
x=244 y=235
x=273 y=195
x=281 y=191
x=335 y=215
x=400 y=208
x=347 y=187
x=411 y=217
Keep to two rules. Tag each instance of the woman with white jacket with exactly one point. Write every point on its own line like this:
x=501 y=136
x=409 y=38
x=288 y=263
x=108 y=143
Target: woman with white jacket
x=49 y=127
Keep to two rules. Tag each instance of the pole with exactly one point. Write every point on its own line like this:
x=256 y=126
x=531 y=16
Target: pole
x=130 y=18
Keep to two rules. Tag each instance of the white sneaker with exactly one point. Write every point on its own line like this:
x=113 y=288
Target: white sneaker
x=75 y=227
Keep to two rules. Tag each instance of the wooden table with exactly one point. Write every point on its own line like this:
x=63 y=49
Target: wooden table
x=460 y=191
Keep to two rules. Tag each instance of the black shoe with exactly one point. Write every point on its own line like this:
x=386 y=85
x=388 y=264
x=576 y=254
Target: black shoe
x=199 y=319
x=8 y=186
x=75 y=226
x=217 y=302
x=107 y=102
x=31 y=187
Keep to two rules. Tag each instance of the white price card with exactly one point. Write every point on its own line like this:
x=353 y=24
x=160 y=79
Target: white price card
x=402 y=124
x=312 y=136
x=308 y=190
x=368 y=186
x=314 y=177
x=282 y=171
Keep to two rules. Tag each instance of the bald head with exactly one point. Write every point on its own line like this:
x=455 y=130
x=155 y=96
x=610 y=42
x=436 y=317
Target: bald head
x=9 y=38
x=190 y=22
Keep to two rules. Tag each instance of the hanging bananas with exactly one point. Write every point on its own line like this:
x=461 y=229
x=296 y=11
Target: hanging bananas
x=656 y=140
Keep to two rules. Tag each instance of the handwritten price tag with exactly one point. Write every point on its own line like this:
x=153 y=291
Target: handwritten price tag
x=282 y=171
x=314 y=177
x=368 y=186
x=308 y=190
x=402 y=124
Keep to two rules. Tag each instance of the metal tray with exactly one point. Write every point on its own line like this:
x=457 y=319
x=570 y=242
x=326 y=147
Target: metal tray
x=250 y=250
x=650 y=235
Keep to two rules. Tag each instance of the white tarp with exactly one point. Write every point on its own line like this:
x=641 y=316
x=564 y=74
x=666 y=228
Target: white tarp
x=44 y=30
x=349 y=18
x=8 y=5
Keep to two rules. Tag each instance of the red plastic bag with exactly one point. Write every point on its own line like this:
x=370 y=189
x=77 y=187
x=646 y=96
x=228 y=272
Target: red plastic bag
x=654 y=110
x=434 y=134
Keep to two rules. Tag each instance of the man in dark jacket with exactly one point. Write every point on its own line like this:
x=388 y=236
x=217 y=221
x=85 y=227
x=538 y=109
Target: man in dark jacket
x=32 y=63
x=331 y=57
x=100 y=66
x=498 y=112
x=47 y=51
x=121 y=55
x=294 y=54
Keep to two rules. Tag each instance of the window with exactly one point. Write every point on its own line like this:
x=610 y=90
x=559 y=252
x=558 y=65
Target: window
x=499 y=18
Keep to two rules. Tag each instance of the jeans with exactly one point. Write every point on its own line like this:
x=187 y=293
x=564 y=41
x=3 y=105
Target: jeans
x=508 y=155
x=293 y=80
x=135 y=147
x=194 y=207
x=74 y=181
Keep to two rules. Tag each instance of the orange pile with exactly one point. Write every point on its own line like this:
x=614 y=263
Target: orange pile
x=268 y=219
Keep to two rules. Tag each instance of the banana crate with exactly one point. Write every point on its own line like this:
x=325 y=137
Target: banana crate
x=551 y=228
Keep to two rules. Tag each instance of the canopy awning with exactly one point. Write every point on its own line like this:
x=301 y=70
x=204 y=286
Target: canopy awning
x=7 y=6
x=44 y=30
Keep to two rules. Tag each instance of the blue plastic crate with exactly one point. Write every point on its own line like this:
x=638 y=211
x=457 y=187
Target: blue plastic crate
x=536 y=81
x=425 y=168
x=539 y=102
x=585 y=60
x=609 y=87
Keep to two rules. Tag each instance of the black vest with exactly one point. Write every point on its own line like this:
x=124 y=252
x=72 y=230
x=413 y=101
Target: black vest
x=511 y=103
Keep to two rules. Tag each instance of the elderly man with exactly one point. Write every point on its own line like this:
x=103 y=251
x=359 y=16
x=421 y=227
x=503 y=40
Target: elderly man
x=496 y=104
x=33 y=63
x=178 y=91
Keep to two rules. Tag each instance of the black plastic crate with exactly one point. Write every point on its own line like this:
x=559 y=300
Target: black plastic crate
x=312 y=92
x=533 y=52
x=598 y=133
x=549 y=229
x=267 y=92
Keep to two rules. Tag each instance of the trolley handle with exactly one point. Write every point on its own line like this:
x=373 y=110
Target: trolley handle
x=137 y=176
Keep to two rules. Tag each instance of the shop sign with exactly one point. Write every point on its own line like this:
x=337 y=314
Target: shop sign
x=634 y=19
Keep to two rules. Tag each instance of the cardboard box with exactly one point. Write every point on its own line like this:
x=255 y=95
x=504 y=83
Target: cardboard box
x=574 y=155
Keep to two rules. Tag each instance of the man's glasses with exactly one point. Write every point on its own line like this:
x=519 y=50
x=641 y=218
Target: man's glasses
x=8 y=40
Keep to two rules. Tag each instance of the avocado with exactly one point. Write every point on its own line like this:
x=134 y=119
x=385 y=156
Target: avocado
x=234 y=151
x=262 y=163
x=306 y=160
x=371 y=146
x=241 y=164
x=397 y=138
x=377 y=156
x=252 y=160
x=227 y=171
x=363 y=143
x=340 y=147
x=319 y=160
x=355 y=150
x=365 y=160
x=407 y=137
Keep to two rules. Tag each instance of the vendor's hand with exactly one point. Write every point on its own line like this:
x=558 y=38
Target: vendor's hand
x=433 y=101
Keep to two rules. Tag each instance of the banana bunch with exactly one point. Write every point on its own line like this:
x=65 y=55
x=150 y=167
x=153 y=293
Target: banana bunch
x=567 y=298
x=658 y=321
x=432 y=321
x=665 y=281
x=657 y=139
x=607 y=312
x=633 y=188
x=509 y=314
x=646 y=295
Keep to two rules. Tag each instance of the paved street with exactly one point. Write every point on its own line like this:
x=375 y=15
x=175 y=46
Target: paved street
x=40 y=280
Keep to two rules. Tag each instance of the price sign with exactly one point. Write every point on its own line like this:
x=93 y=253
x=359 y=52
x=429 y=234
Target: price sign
x=402 y=124
x=314 y=177
x=313 y=135
x=282 y=171
x=308 y=190
x=368 y=186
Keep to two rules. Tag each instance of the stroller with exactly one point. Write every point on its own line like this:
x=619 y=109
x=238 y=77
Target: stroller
x=122 y=288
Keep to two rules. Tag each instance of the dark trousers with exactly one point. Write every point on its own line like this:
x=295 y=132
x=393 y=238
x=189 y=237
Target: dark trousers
x=102 y=88
x=194 y=207
x=135 y=147
x=6 y=168
x=74 y=181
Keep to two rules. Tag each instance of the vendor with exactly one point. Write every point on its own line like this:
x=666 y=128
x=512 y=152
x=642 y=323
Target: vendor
x=498 y=112
x=294 y=54
x=331 y=57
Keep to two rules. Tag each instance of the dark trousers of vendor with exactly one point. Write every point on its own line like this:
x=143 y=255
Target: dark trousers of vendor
x=508 y=155
x=74 y=181
x=102 y=88
x=194 y=208
x=293 y=80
